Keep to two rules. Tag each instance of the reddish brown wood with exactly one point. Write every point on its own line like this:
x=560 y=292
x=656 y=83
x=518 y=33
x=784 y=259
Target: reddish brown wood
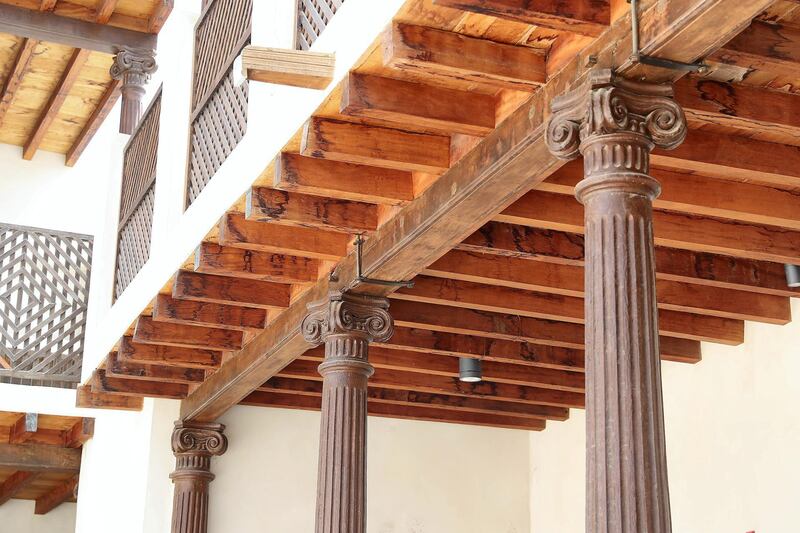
x=194 y=444
x=14 y=78
x=346 y=324
x=615 y=124
x=134 y=67
x=62 y=493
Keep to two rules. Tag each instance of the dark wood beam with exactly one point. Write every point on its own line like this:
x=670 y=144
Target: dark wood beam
x=230 y=291
x=15 y=483
x=193 y=313
x=98 y=116
x=168 y=374
x=14 y=78
x=62 y=493
x=500 y=169
x=87 y=398
x=39 y=458
x=149 y=331
x=102 y=382
x=264 y=266
x=79 y=433
x=50 y=111
x=45 y=26
x=767 y=47
x=155 y=354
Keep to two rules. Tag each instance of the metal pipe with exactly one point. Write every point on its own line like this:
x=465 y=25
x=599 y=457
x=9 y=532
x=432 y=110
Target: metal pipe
x=635 y=29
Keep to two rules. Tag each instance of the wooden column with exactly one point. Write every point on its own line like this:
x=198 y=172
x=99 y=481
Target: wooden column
x=133 y=66
x=346 y=323
x=614 y=124
x=194 y=444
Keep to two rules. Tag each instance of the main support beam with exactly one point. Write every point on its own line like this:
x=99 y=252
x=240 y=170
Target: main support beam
x=70 y=32
x=346 y=323
x=615 y=124
x=501 y=168
x=194 y=444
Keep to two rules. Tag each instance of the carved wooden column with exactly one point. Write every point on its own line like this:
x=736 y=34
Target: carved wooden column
x=194 y=444
x=346 y=323
x=615 y=124
x=133 y=66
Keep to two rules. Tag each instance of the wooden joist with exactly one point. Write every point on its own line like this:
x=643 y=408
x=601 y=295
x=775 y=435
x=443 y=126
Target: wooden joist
x=87 y=398
x=194 y=313
x=346 y=181
x=435 y=109
x=130 y=351
x=79 y=433
x=104 y=11
x=48 y=114
x=160 y=14
x=773 y=48
x=96 y=119
x=39 y=458
x=168 y=374
x=422 y=399
x=149 y=331
x=24 y=428
x=272 y=205
x=586 y=17
x=296 y=68
x=377 y=146
x=103 y=383
x=230 y=291
x=16 y=482
x=14 y=77
x=62 y=493
x=228 y=261
x=446 y=54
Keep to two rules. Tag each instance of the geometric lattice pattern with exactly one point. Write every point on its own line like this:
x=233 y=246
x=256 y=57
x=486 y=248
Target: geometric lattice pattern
x=215 y=132
x=44 y=293
x=133 y=246
x=312 y=18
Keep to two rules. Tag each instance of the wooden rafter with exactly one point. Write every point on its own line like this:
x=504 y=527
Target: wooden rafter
x=104 y=11
x=14 y=79
x=160 y=15
x=98 y=116
x=51 y=109
x=39 y=458
x=62 y=493
x=16 y=482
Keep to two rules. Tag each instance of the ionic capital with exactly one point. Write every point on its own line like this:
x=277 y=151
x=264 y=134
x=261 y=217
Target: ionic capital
x=198 y=438
x=351 y=315
x=134 y=65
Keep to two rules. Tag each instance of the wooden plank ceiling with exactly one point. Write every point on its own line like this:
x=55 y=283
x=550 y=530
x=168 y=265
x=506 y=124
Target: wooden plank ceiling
x=54 y=97
x=40 y=457
x=430 y=89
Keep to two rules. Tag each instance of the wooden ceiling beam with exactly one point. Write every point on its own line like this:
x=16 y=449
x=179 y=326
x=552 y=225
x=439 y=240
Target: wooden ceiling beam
x=371 y=145
x=568 y=280
x=230 y=291
x=585 y=17
x=104 y=383
x=432 y=414
x=397 y=379
x=700 y=268
x=160 y=14
x=80 y=433
x=89 y=399
x=673 y=230
x=169 y=374
x=181 y=336
x=193 y=313
x=444 y=54
x=284 y=207
x=64 y=492
x=130 y=351
x=496 y=172
x=25 y=427
x=264 y=266
x=98 y=116
x=762 y=46
x=16 y=483
x=39 y=458
x=435 y=109
x=550 y=306
x=704 y=196
x=423 y=399
x=345 y=181
x=14 y=78
x=51 y=109
x=104 y=11
x=45 y=26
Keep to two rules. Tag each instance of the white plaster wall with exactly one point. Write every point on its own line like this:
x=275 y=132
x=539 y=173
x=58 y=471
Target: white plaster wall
x=16 y=516
x=422 y=477
x=732 y=442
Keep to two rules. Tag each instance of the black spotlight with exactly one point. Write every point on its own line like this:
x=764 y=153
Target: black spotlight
x=793 y=275
x=469 y=369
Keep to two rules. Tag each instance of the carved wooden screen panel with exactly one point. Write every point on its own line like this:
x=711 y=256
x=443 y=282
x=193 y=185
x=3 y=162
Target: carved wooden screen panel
x=138 y=198
x=313 y=17
x=44 y=294
x=219 y=105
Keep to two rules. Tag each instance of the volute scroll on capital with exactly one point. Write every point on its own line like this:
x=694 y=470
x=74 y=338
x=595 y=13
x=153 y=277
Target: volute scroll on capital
x=345 y=313
x=138 y=62
x=609 y=104
x=199 y=438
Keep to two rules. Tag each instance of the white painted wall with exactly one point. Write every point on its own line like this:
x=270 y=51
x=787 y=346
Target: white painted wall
x=422 y=477
x=16 y=516
x=732 y=441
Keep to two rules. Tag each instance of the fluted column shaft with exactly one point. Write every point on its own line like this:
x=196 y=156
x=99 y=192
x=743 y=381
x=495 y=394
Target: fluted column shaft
x=134 y=68
x=346 y=324
x=615 y=124
x=193 y=444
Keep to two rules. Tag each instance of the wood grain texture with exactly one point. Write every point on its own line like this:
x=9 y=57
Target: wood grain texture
x=149 y=331
x=87 y=398
x=130 y=351
x=214 y=259
x=168 y=309
x=296 y=68
x=230 y=291
x=62 y=493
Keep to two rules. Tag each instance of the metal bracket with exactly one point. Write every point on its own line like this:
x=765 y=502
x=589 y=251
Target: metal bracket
x=360 y=278
x=638 y=57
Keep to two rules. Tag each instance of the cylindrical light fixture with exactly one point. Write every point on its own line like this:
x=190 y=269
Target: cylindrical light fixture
x=469 y=369
x=793 y=275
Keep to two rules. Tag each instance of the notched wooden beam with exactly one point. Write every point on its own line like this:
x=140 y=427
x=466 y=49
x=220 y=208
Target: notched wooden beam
x=87 y=398
x=235 y=262
x=296 y=68
x=230 y=291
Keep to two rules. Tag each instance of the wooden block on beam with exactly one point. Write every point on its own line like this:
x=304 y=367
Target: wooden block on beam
x=228 y=261
x=432 y=108
x=346 y=216
x=230 y=291
x=381 y=147
x=194 y=313
x=133 y=352
x=24 y=428
x=150 y=332
x=346 y=181
x=89 y=399
x=79 y=433
x=454 y=55
x=297 y=68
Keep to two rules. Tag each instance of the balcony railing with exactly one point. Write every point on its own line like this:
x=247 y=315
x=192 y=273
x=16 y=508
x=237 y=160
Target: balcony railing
x=313 y=17
x=44 y=293
x=219 y=106
x=138 y=197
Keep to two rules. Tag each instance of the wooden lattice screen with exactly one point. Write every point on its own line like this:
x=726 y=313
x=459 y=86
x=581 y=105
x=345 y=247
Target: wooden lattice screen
x=138 y=197
x=219 y=106
x=44 y=293
x=312 y=18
